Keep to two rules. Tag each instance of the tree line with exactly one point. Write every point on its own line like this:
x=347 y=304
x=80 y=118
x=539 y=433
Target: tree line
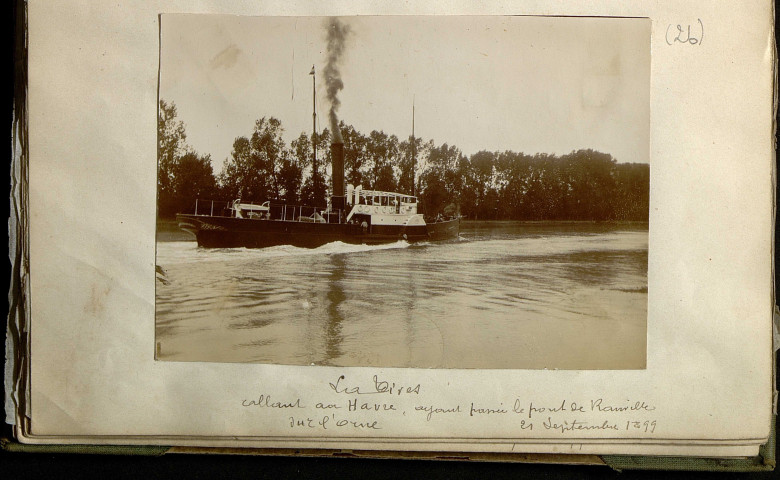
x=582 y=185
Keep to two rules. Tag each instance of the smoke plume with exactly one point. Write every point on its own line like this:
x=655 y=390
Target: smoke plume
x=336 y=39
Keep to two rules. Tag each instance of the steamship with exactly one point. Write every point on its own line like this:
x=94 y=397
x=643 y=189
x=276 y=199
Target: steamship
x=353 y=215
x=356 y=216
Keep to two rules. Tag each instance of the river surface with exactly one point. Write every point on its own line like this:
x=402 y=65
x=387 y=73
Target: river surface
x=503 y=295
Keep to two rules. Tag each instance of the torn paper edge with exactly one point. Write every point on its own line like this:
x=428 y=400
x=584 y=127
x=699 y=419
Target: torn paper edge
x=776 y=315
x=16 y=344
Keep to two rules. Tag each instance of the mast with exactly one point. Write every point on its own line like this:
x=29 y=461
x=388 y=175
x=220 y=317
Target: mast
x=314 y=131
x=414 y=149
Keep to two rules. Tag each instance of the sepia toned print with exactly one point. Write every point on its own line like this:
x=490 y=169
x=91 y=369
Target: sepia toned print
x=432 y=192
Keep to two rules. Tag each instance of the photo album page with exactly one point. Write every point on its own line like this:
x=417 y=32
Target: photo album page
x=523 y=227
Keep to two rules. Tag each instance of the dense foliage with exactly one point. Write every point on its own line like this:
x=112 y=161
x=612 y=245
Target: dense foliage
x=581 y=185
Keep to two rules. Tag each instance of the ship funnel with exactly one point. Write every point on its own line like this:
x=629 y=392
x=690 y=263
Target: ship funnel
x=338 y=200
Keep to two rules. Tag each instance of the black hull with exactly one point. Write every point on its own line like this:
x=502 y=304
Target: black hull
x=228 y=232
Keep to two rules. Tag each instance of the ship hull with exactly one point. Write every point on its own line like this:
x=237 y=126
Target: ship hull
x=229 y=232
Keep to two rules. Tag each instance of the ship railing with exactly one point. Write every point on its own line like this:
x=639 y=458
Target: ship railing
x=210 y=207
x=290 y=213
x=306 y=214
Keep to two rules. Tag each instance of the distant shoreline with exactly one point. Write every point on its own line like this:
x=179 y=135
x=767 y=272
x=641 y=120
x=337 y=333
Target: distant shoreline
x=553 y=222
x=168 y=230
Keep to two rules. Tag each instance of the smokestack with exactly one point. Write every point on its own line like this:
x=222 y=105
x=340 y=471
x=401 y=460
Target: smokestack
x=338 y=200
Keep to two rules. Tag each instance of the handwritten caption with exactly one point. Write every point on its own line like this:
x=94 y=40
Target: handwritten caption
x=682 y=34
x=374 y=405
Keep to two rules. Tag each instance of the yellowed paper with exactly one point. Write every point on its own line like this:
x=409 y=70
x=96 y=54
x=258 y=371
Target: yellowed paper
x=706 y=386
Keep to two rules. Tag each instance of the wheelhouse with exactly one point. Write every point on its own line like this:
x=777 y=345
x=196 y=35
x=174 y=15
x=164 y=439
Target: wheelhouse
x=380 y=202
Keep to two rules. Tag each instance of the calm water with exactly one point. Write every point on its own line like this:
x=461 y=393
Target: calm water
x=504 y=295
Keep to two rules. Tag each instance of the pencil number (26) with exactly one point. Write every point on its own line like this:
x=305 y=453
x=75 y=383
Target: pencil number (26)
x=685 y=34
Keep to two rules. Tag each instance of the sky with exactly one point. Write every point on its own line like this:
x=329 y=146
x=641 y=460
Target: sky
x=527 y=84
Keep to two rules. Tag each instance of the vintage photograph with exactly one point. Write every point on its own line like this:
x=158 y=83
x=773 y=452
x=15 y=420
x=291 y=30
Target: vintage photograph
x=454 y=192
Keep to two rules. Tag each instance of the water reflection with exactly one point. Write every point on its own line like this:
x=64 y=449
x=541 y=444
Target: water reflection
x=335 y=297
